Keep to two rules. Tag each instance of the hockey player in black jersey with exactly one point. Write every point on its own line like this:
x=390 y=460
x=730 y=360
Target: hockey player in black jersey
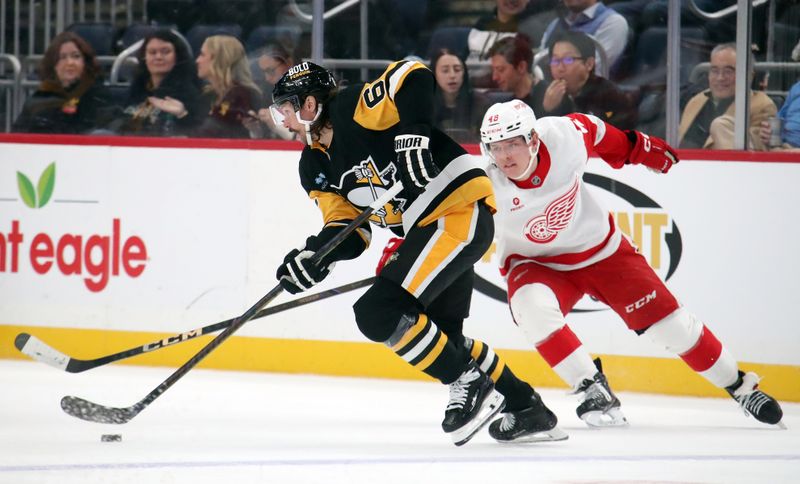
x=360 y=141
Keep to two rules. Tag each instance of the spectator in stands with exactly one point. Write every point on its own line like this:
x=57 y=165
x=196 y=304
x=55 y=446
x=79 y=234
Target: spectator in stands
x=502 y=23
x=166 y=76
x=274 y=61
x=576 y=88
x=452 y=109
x=71 y=98
x=233 y=94
x=511 y=59
x=707 y=120
x=606 y=26
x=789 y=115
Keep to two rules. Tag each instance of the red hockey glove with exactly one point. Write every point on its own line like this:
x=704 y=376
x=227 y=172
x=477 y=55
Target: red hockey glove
x=650 y=151
x=388 y=251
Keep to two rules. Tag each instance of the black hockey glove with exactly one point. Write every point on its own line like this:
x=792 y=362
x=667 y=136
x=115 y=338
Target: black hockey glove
x=297 y=273
x=414 y=160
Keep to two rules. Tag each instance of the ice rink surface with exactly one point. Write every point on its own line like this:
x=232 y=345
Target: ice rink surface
x=228 y=427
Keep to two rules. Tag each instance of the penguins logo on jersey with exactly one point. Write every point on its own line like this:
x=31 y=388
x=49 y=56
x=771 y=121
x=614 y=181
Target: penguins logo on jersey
x=364 y=184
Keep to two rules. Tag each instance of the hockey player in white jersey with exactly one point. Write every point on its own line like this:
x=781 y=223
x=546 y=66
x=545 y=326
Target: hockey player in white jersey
x=557 y=243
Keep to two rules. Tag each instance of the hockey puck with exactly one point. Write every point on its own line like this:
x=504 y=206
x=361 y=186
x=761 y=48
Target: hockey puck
x=111 y=438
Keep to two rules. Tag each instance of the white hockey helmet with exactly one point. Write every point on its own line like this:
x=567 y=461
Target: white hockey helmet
x=505 y=121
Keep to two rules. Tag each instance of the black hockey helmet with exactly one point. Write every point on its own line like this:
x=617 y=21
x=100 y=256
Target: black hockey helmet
x=301 y=81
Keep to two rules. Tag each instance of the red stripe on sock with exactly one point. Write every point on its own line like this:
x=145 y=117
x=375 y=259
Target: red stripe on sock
x=705 y=353
x=558 y=346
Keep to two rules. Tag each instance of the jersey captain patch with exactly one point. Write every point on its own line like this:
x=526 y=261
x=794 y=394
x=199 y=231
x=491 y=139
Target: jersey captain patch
x=365 y=184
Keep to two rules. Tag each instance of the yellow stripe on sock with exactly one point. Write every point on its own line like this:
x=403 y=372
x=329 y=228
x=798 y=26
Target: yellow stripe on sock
x=434 y=353
x=498 y=369
x=477 y=348
x=411 y=333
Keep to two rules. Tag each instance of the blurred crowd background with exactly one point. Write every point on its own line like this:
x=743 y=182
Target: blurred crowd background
x=205 y=68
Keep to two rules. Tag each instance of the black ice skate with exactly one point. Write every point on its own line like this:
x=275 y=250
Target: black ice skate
x=535 y=423
x=755 y=402
x=473 y=402
x=599 y=407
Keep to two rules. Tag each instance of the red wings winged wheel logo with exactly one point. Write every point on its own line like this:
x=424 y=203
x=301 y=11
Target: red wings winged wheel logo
x=544 y=228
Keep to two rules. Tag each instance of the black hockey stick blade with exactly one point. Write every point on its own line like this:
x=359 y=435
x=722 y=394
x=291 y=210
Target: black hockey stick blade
x=38 y=350
x=93 y=412
x=86 y=410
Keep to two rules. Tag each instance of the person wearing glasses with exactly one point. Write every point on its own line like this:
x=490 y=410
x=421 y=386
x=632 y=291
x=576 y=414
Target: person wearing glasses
x=708 y=118
x=576 y=88
x=274 y=61
x=593 y=18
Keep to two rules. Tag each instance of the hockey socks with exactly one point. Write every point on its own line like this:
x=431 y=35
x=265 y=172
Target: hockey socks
x=685 y=335
x=565 y=354
x=710 y=359
x=428 y=349
x=517 y=392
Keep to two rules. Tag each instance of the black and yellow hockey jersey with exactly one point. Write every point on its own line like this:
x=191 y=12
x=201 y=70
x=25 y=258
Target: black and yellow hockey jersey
x=360 y=163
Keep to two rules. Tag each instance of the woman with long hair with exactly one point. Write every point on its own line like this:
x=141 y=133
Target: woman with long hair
x=452 y=109
x=71 y=97
x=164 y=97
x=223 y=63
x=230 y=90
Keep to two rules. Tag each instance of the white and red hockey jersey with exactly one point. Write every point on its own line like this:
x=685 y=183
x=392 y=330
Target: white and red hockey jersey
x=551 y=217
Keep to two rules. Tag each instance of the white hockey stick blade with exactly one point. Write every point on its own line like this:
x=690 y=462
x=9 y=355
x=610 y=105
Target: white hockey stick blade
x=40 y=351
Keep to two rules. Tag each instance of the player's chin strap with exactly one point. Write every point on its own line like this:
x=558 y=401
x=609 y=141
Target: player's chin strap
x=534 y=151
x=308 y=124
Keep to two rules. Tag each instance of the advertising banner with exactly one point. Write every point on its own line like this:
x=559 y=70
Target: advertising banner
x=168 y=239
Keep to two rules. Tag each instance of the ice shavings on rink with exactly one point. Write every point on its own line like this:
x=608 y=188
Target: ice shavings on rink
x=218 y=426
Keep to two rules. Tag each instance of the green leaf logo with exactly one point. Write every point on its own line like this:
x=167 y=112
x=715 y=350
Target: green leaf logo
x=44 y=189
x=26 y=190
x=46 y=183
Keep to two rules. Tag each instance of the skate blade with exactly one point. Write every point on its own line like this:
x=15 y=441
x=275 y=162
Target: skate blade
x=553 y=435
x=612 y=418
x=781 y=425
x=491 y=406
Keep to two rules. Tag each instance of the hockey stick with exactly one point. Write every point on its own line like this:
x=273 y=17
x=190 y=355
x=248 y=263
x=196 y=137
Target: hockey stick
x=93 y=412
x=37 y=349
